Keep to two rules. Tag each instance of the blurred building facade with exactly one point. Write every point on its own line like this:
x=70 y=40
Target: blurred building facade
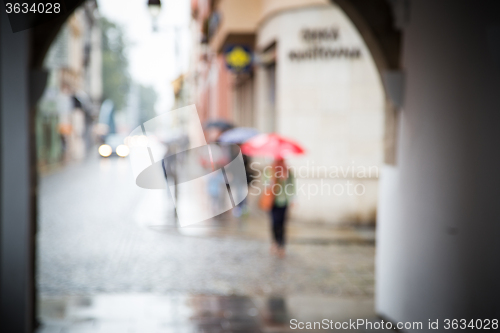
x=72 y=98
x=313 y=79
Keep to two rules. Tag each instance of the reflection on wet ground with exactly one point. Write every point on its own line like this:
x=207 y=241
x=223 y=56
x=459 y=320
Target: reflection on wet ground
x=195 y=313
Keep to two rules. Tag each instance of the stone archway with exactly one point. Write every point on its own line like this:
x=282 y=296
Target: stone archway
x=43 y=35
x=374 y=19
x=378 y=23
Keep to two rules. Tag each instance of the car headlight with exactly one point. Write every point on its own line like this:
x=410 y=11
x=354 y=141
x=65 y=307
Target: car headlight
x=122 y=151
x=105 y=150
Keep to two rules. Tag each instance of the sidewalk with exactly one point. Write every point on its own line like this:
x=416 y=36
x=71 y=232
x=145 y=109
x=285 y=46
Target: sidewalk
x=257 y=226
x=155 y=214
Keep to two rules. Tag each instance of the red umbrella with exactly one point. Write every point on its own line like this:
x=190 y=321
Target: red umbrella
x=271 y=145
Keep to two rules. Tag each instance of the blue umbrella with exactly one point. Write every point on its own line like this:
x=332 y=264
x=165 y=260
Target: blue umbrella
x=238 y=135
x=221 y=124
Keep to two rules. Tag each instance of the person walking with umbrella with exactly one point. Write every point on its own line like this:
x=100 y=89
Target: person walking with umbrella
x=279 y=184
x=238 y=136
x=280 y=181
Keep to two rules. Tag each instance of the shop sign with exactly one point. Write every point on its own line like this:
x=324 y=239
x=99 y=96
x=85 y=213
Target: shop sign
x=238 y=58
x=316 y=39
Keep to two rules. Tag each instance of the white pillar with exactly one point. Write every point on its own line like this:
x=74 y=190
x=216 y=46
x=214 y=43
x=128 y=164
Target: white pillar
x=439 y=215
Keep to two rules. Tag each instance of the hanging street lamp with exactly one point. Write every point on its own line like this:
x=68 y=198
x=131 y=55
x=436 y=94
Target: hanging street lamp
x=154 y=7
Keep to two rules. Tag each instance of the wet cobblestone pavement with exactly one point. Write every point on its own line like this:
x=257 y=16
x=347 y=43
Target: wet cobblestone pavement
x=96 y=237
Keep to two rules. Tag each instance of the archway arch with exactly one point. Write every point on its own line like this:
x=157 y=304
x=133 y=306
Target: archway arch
x=377 y=24
x=43 y=35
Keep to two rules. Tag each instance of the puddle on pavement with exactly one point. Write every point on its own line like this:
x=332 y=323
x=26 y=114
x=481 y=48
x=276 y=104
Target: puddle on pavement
x=192 y=313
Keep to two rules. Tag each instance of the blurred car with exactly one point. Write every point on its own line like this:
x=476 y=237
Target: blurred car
x=114 y=144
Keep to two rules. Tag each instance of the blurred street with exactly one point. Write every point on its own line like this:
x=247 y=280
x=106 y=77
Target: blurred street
x=99 y=234
x=93 y=238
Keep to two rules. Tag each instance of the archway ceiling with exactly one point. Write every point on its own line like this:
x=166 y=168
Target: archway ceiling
x=373 y=18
